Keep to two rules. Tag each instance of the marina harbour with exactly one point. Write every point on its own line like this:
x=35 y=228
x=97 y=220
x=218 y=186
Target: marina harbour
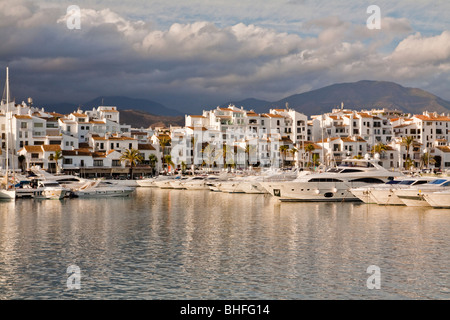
x=197 y=244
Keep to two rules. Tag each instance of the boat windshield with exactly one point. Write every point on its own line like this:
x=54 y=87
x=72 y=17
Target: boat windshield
x=393 y=182
x=438 y=181
x=50 y=184
x=357 y=164
x=407 y=182
x=334 y=170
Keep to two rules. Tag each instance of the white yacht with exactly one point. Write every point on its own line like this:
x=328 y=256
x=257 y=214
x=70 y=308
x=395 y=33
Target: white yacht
x=252 y=184
x=437 y=199
x=102 y=189
x=196 y=183
x=178 y=182
x=50 y=190
x=232 y=185
x=7 y=194
x=165 y=182
x=364 y=193
x=333 y=184
x=384 y=194
x=414 y=196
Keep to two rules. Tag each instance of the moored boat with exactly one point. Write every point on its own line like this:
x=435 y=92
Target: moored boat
x=334 y=184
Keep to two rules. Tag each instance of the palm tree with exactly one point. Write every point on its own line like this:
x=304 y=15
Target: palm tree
x=379 y=148
x=427 y=159
x=22 y=159
x=153 y=161
x=210 y=154
x=293 y=151
x=168 y=161
x=228 y=156
x=133 y=157
x=408 y=142
x=283 y=150
x=309 y=148
x=250 y=149
x=183 y=167
x=56 y=157
x=163 y=142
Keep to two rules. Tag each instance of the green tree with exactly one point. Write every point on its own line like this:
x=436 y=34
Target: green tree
x=379 y=148
x=168 y=161
x=133 y=157
x=408 y=142
x=426 y=159
x=56 y=157
x=309 y=148
x=283 y=151
x=22 y=159
x=153 y=161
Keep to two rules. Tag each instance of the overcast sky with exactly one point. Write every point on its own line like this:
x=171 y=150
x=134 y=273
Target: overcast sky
x=199 y=53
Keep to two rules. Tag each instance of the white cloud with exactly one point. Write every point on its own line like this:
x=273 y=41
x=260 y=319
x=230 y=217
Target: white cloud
x=419 y=50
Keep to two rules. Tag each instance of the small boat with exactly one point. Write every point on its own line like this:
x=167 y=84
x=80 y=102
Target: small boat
x=438 y=199
x=384 y=194
x=49 y=190
x=7 y=194
x=196 y=183
x=178 y=182
x=414 y=196
x=101 y=189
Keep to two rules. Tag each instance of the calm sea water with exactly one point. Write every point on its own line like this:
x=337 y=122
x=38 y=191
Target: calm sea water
x=178 y=244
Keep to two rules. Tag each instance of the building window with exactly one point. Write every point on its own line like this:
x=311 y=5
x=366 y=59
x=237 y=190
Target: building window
x=98 y=163
x=116 y=163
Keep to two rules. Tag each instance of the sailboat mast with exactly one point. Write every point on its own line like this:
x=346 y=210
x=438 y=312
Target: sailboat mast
x=8 y=129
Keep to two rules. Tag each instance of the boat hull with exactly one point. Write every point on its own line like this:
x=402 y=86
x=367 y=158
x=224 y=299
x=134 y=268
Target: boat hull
x=386 y=197
x=308 y=191
x=437 y=199
x=103 y=193
x=412 y=198
x=7 y=194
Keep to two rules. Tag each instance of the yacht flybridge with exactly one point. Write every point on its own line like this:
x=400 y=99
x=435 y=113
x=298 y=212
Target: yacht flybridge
x=333 y=184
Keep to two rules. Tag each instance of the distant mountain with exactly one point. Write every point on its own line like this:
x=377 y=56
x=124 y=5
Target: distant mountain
x=356 y=95
x=365 y=95
x=126 y=103
x=122 y=103
x=256 y=105
x=142 y=119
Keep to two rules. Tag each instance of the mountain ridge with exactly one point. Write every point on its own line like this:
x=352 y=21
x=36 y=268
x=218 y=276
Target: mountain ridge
x=364 y=94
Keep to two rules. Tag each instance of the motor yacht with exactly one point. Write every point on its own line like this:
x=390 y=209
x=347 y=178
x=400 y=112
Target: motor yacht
x=384 y=194
x=102 y=189
x=48 y=189
x=414 y=196
x=333 y=184
x=437 y=199
x=364 y=193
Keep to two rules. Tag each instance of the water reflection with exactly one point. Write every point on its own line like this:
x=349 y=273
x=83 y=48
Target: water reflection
x=178 y=244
